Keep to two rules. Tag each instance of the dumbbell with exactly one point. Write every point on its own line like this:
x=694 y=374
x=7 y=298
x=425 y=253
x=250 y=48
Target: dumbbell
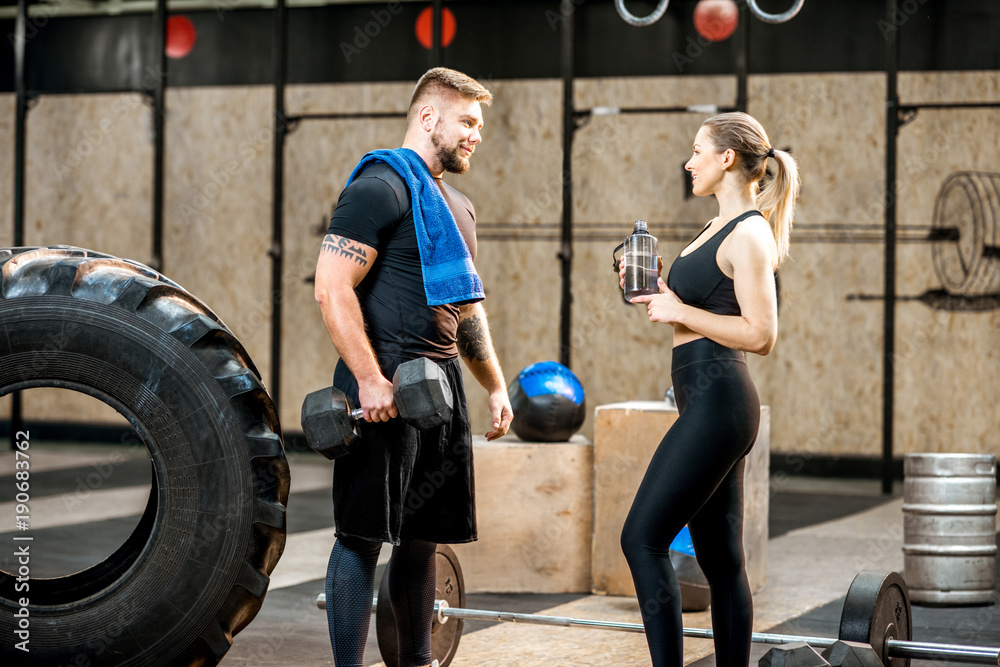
x=419 y=388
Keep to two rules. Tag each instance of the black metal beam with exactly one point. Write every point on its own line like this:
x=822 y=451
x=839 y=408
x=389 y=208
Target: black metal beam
x=159 y=56
x=20 y=38
x=569 y=128
x=889 y=311
x=280 y=55
x=20 y=130
x=743 y=59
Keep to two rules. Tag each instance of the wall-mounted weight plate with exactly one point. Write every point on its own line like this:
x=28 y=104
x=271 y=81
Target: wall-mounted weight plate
x=877 y=609
x=966 y=234
x=445 y=635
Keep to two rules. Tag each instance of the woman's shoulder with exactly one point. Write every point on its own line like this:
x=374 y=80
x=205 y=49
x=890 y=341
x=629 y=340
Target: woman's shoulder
x=753 y=227
x=753 y=235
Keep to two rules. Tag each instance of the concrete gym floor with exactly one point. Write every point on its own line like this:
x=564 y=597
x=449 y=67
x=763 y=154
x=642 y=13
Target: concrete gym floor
x=86 y=499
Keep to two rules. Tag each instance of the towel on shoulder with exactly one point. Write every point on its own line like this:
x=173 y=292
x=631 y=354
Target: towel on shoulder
x=449 y=274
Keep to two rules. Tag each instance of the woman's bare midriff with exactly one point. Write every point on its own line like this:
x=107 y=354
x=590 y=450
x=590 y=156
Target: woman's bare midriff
x=684 y=335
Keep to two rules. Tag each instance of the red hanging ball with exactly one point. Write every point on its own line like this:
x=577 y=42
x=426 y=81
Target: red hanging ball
x=425 y=27
x=716 y=20
x=180 y=36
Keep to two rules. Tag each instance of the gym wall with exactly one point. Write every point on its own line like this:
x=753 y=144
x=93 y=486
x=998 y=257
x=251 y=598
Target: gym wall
x=88 y=183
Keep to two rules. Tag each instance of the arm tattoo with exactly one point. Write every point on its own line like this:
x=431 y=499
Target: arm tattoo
x=472 y=339
x=338 y=245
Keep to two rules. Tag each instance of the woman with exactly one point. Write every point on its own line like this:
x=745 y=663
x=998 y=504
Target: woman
x=720 y=298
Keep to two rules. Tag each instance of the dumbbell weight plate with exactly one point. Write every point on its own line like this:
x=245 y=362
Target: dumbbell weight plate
x=877 y=609
x=328 y=422
x=445 y=636
x=422 y=393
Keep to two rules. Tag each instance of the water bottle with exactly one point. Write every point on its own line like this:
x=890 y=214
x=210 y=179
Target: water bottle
x=641 y=262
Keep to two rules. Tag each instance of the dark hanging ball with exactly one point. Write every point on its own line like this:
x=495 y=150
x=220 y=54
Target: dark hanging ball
x=548 y=402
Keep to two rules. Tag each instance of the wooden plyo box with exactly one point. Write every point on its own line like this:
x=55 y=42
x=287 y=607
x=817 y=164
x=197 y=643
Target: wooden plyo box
x=625 y=437
x=534 y=506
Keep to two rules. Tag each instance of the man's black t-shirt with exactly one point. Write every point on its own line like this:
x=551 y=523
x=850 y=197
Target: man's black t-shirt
x=375 y=209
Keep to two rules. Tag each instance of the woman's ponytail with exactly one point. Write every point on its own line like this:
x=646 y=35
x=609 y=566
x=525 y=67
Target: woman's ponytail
x=777 y=200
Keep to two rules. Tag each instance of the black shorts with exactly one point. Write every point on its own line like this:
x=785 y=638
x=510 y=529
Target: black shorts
x=399 y=483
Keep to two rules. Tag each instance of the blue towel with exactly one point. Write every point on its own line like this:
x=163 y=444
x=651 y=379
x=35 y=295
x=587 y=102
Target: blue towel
x=449 y=275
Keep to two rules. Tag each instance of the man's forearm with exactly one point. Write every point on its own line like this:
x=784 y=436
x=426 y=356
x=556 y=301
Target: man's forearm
x=346 y=325
x=476 y=347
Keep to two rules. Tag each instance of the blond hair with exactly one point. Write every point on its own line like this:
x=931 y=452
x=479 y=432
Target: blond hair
x=776 y=199
x=441 y=81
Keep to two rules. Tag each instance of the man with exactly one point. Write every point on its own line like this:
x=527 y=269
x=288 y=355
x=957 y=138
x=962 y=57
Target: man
x=395 y=280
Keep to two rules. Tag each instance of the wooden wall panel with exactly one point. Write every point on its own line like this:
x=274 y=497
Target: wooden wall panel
x=8 y=110
x=217 y=220
x=946 y=355
x=823 y=377
x=88 y=183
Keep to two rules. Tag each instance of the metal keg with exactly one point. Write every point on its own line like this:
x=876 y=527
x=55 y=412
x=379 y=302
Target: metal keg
x=949 y=528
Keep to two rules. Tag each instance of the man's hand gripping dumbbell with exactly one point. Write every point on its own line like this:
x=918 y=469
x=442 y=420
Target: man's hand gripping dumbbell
x=419 y=389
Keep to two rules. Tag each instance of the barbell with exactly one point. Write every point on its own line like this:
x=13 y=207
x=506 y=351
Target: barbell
x=876 y=612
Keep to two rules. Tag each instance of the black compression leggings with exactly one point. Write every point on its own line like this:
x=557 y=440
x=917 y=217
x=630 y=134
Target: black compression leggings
x=696 y=478
x=350 y=585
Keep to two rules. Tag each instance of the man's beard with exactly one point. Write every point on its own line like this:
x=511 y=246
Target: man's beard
x=449 y=158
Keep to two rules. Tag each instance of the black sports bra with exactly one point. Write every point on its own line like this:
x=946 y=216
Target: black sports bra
x=696 y=278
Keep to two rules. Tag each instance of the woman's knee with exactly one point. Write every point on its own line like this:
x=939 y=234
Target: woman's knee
x=721 y=564
x=638 y=542
x=631 y=540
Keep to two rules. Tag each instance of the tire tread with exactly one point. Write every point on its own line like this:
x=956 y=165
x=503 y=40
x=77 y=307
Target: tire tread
x=89 y=276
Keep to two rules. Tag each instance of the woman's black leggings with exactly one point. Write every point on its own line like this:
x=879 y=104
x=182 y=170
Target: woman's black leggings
x=350 y=584
x=696 y=478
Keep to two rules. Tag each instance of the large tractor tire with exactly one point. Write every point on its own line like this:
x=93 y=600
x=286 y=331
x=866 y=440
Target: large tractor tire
x=195 y=570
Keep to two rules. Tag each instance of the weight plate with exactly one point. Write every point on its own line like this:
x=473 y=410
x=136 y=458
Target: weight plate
x=450 y=587
x=877 y=609
x=965 y=233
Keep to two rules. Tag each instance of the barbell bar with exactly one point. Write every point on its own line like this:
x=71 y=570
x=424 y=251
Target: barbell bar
x=909 y=650
x=876 y=612
x=897 y=648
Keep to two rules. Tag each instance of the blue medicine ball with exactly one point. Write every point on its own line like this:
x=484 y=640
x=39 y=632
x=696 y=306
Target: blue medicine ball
x=695 y=594
x=548 y=403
